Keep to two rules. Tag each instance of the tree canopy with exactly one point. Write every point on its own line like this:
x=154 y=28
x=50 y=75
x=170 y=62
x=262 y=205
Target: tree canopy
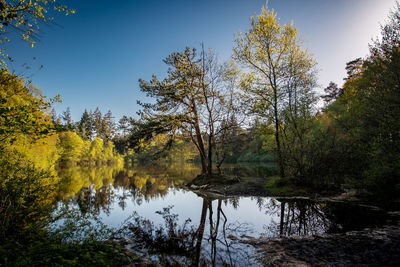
x=280 y=75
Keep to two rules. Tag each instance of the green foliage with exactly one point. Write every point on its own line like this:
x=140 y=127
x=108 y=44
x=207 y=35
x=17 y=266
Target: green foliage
x=26 y=195
x=280 y=81
x=356 y=141
x=74 y=239
x=85 y=126
x=43 y=152
x=189 y=102
x=48 y=252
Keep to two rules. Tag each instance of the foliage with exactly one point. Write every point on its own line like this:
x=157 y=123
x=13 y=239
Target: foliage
x=25 y=17
x=355 y=141
x=77 y=240
x=77 y=151
x=22 y=110
x=189 y=101
x=46 y=251
x=26 y=193
x=279 y=80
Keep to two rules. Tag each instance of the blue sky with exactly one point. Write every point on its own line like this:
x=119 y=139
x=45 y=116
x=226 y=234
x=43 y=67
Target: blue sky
x=95 y=57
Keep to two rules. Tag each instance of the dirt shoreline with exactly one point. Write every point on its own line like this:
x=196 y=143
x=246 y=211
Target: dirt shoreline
x=378 y=246
x=368 y=247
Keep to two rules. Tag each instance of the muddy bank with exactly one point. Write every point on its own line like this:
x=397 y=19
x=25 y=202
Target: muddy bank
x=230 y=186
x=368 y=247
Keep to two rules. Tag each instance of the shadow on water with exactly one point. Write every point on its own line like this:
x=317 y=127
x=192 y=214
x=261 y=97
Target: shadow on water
x=198 y=230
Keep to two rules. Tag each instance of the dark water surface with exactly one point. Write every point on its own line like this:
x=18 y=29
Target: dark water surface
x=171 y=224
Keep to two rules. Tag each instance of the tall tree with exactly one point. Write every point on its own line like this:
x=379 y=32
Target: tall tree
x=108 y=126
x=178 y=98
x=98 y=123
x=186 y=102
x=66 y=117
x=85 y=125
x=278 y=68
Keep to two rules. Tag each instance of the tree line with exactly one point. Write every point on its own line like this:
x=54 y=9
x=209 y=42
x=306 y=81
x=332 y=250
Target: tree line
x=352 y=141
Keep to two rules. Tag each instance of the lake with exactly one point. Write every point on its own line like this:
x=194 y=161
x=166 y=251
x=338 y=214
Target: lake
x=161 y=219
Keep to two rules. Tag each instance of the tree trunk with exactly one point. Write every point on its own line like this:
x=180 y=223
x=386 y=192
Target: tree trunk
x=209 y=167
x=200 y=141
x=277 y=139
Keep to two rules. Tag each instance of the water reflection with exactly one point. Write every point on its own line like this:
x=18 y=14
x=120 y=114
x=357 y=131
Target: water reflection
x=213 y=242
x=74 y=178
x=199 y=230
x=304 y=217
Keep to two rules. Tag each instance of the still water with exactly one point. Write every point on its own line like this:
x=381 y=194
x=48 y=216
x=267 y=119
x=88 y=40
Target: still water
x=170 y=224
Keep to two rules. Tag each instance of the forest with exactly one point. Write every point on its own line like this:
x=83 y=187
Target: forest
x=259 y=107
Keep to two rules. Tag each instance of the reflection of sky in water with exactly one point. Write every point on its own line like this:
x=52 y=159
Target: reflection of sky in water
x=188 y=205
x=145 y=191
x=246 y=218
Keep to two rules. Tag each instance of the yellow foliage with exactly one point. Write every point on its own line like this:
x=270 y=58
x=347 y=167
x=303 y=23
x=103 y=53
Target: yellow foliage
x=43 y=153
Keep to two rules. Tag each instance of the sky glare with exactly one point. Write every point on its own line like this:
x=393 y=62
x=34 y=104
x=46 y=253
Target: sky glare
x=95 y=57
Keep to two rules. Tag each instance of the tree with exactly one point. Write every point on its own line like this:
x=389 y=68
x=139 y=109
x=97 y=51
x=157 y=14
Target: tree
x=332 y=91
x=108 y=126
x=85 y=126
x=25 y=17
x=186 y=102
x=374 y=102
x=230 y=114
x=177 y=102
x=22 y=110
x=353 y=68
x=357 y=138
x=98 y=122
x=66 y=117
x=280 y=73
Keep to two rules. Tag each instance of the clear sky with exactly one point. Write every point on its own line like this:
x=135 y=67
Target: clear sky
x=95 y=57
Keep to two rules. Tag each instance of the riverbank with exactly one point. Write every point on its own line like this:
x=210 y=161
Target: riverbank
x=233 y=186
x=368 y=247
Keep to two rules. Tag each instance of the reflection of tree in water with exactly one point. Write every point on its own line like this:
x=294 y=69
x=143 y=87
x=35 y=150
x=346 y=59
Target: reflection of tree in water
x=93 y=188
x=88 y=187
x=308 y=217
x=74 y=178
x=189 y=245
x=95 y=200
x=296 y=217
x=144 y=183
